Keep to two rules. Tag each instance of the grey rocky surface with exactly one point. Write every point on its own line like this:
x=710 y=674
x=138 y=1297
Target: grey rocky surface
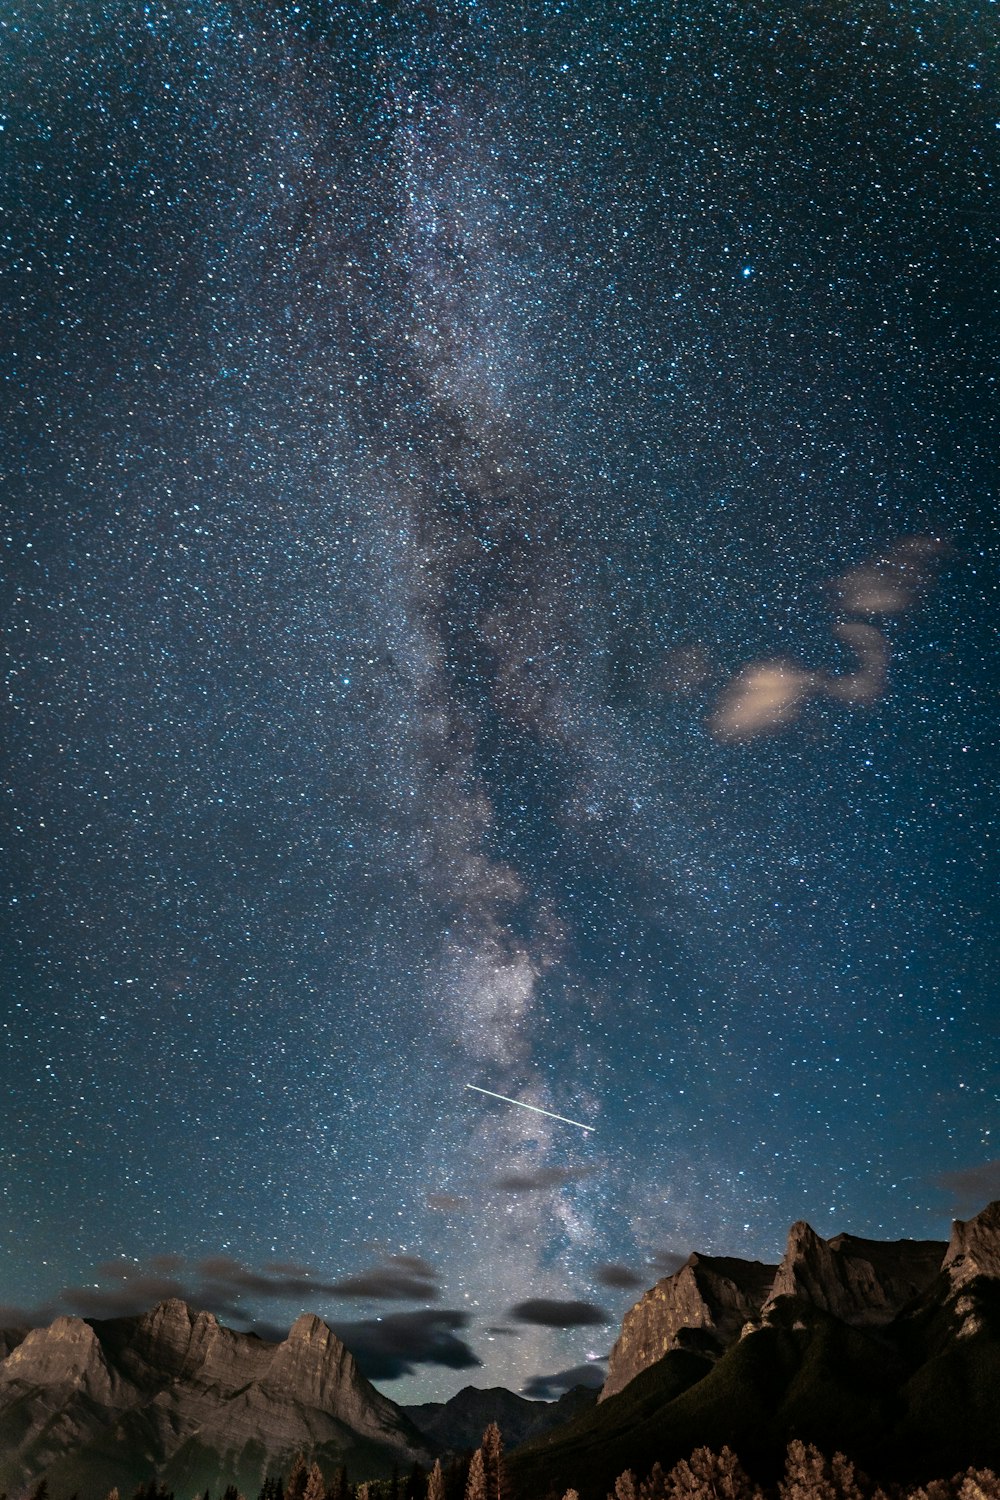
x=865 y=1283
x=704 y=1305
x=173 y=1393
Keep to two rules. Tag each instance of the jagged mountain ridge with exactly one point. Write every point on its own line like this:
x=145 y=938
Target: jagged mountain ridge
x=91 y=1404
x=888 y=1352
x=712 y=1299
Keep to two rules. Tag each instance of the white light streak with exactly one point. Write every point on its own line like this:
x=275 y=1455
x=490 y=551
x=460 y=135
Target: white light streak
x=521 y=1105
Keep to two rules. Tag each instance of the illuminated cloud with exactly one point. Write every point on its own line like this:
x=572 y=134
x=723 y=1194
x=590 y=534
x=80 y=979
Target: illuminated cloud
x=766 y=696
x=763 y=697
x=890 y=584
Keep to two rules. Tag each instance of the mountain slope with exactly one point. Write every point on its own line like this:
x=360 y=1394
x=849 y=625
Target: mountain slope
x=905 y=1377
x=173 y=1393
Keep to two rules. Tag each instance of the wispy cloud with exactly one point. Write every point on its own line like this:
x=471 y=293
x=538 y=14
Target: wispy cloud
x=767 y=696
x=971 y=1188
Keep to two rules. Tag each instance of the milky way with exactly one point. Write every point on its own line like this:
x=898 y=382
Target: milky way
x=500 y=583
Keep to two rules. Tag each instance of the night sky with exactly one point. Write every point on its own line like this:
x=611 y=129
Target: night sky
x=501 y=589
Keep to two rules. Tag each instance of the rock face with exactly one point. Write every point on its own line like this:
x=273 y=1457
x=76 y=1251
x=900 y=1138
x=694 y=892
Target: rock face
x=865 y=1283
x=974 y=1247
x=175 y=1395
x=10 y=1338
x=710 y=1301
x=702 y=1306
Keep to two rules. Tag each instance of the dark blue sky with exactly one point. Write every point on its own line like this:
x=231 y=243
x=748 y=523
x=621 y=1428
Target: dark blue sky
x=501 y=588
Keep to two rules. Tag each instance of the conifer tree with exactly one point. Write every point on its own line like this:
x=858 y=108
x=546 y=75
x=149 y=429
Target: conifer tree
x=810 y=1476
x=710 y=1476
x=315 y=1487
x=435 y=1482
x=416 y=1484
x=978 y=1484
x=654 y=1487
x=455 y=1478
x=494 y=1466
x=625 y=1487
x=475 y=1485
x=298 y=1478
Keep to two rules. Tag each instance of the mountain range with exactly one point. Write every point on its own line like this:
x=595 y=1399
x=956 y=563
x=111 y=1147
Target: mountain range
x=887 y=1351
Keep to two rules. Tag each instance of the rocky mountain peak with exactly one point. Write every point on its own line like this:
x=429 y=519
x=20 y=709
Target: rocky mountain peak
x=67 y=1353
x=863 y=1282
x=175 y=1393
x=974 y=1247
x=703 y=1305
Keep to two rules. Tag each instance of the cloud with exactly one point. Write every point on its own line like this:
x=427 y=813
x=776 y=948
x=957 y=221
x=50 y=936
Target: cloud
x=762 y=697
x=136 y=1291
x=667 y=1262
x=545 y=1177
x=869 y=681
x=551 y=1387
x=765 y=696
x=399 y=1278
x=549 y=1312
x=971 y=1186
x=612 y=1273
x=219 y=1283
x=388 y=1347
x=889 y=584
x=447 y=1202
x=14 y=1317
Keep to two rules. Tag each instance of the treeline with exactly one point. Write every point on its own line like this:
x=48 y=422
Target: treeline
x=808 y=1475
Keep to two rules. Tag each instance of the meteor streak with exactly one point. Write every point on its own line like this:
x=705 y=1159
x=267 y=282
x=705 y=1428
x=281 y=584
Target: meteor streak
x=534 y=1107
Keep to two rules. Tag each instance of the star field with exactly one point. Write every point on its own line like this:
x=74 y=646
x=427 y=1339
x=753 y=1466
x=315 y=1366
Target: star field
x=500 y=585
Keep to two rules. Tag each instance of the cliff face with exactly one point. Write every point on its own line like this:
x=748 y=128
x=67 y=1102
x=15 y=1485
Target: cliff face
x=974 y=1247
x=173 y=1393
x=709 y=1302
x=865 y=1283
x=703 y=1305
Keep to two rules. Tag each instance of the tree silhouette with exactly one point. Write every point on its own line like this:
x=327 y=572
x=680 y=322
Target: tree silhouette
x=475 y=1485
x=298 y=1478
x=494 y=1467
x=435 y=1482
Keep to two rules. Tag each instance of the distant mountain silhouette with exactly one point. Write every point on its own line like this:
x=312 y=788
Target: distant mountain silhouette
x=457 y=1425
